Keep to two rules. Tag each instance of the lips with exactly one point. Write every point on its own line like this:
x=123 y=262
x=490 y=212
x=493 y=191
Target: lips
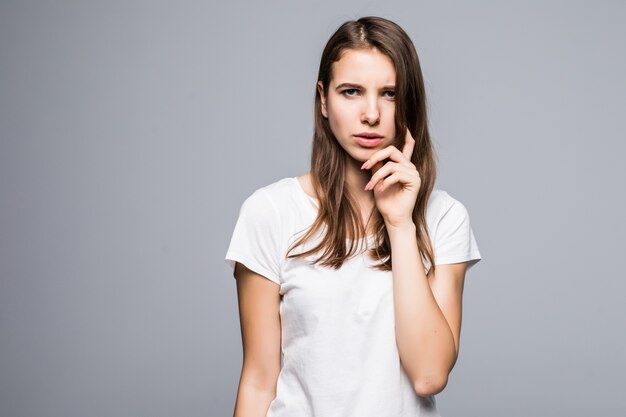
x=368 y=142
x=369 y=135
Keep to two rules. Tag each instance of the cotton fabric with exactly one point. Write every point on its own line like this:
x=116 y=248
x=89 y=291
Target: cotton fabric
x=339 y=356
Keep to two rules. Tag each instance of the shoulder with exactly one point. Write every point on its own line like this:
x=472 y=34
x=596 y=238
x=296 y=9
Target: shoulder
x=275 y=199
x=279 y=189
x=439 y=203
x=445 y=213
x=438 y=198
x=453 y=236
x=274 y=192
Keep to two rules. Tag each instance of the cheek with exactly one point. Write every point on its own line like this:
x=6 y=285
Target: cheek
x=391 y=119
x=336 y=120
x=391 y=111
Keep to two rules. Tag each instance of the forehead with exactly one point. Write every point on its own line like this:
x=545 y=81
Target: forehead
x=365 y=67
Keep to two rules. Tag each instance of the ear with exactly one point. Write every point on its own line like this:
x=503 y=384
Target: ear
x=320 y=89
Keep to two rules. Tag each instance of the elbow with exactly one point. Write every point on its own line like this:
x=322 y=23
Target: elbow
x=428 y=386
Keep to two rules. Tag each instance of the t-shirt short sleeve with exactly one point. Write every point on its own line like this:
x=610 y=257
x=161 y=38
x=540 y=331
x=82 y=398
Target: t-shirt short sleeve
x=454 y=238
x=255 y=241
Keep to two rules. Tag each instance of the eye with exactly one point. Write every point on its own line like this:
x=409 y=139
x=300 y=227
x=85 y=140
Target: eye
x=347 y=92
x=392 y=93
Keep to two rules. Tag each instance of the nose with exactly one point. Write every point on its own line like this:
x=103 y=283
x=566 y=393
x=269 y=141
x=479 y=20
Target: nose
x=371 y=112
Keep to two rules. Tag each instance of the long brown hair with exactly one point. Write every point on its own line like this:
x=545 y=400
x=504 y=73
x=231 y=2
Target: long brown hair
x=338 y=210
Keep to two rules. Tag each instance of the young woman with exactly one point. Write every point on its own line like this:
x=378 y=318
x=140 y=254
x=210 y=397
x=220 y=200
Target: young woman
x=350 y=277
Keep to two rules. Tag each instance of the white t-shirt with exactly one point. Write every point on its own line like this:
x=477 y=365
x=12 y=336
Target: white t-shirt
x=338 y=350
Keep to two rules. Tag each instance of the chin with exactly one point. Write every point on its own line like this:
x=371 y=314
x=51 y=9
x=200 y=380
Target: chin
x=360 y=156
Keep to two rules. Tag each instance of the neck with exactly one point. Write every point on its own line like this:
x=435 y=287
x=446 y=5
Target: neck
x=356 y=178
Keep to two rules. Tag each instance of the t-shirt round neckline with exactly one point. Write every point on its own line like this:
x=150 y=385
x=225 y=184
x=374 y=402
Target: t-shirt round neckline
x=315 y=202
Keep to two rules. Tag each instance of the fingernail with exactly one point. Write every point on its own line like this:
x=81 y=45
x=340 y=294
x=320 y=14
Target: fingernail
x=365 y=164
x=368 y=185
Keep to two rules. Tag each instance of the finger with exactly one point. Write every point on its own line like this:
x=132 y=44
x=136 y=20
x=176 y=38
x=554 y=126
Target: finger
x=389 y=152
x=387 y=169
x=377 y=166
x=390 y=180
x=409 y=145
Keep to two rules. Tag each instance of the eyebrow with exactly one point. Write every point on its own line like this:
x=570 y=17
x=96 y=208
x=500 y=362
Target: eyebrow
x=351 y=85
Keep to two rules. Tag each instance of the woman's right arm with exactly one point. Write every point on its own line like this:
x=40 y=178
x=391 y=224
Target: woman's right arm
x=259 y=315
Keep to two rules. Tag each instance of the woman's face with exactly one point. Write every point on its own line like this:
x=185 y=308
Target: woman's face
x=361 y=100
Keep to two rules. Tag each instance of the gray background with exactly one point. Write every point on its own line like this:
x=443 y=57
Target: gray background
x=131 y=132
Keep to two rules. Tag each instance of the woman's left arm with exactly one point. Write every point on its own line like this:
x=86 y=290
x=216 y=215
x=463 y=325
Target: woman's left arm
x=427 y=308
x=427 y=312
